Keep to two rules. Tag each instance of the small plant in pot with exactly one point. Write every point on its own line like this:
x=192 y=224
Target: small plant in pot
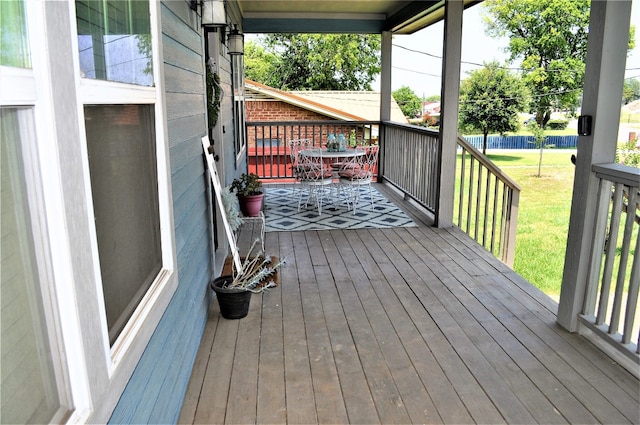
x=234 y=291
x=248 y=187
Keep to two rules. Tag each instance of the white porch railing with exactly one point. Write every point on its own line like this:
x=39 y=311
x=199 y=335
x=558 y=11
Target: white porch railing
x=487 y=202
x=410 y=157
x=486 y=198
x=610 y=307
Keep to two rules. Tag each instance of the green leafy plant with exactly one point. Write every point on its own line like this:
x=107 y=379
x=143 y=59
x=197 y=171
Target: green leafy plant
x=214 y=97
x=629 y=153
x=247 y=184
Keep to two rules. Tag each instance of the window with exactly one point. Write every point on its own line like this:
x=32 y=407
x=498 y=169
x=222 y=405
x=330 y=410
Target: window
x=122 y=163
x=238 y=103
x=29 y=377
x=114 y=40
x=71 y=337
x=14 y=40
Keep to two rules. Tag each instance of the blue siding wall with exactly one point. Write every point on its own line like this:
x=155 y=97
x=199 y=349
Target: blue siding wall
x=156 y=390
x=521 y=142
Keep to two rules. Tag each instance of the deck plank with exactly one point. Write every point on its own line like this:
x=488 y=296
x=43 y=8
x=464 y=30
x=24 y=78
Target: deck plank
x=472 y=317
x=404 y=325
x=387 y=399
x=271 y=400
x=415 y=397
x=300 y=400
x=212 y=404
x=329 y=401
x=358 y=400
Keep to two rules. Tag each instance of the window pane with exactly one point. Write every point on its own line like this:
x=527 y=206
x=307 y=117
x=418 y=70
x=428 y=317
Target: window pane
x=14 y=40
x=124 y=183
x=114 y=40
x=29 y=393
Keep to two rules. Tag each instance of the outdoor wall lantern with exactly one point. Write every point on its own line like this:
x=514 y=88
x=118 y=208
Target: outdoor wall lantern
x=212 y=12
x=235 y=42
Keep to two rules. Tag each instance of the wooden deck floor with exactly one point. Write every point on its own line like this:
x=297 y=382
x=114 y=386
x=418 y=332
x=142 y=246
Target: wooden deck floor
x=406 y=325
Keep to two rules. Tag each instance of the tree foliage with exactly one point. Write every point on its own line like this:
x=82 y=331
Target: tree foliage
x=258 y=63
x=550 y=37
x=408 y=101
x=315 y=61
x=490 y=100
x=631 y=90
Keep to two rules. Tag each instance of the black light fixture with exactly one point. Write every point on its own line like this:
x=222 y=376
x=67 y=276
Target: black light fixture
x=212 y=12
x=235 y=42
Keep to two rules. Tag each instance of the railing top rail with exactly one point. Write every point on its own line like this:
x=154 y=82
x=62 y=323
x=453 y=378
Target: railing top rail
x=618 y=173
x=488 y=164
x=411 y=127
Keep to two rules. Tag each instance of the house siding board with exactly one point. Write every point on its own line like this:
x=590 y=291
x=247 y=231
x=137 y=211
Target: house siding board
x=181 y=57
x=179 y=80
x=185 y=130
x=180 y=105
x=156 y=389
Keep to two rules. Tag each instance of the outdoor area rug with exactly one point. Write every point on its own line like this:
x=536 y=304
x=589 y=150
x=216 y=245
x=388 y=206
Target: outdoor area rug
x=281 y=213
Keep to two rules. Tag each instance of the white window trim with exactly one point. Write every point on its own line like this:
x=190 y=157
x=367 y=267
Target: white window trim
x=31 y=87
x=124 y=355
x=98 y=373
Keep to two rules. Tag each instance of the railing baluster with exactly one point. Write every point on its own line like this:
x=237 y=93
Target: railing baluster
x=618 y=184
x=478 y=199
x=487 y=194
x=632 y=294
x=610 y=256
x=496 y=189
x=470 y=196
x=622 y=266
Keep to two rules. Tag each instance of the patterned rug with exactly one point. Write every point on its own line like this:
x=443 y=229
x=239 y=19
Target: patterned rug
x=281 y=213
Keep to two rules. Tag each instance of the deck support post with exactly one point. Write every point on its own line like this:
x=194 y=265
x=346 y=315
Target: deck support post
x=449 y=95
x=385 y=94
x=604 y=76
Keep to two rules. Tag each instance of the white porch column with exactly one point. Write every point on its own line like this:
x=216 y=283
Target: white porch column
x=606 y=59
x=449 y=110
x=385 y=77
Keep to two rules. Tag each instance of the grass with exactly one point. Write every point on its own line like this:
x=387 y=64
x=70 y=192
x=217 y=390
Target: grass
x=543 y=217
x=544 y=212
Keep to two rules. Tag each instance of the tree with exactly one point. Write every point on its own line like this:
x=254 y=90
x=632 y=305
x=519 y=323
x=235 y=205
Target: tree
x=490 y=100
x=631 y=90
x=550 y=36
x=316 y=61
x=258 y=63
x=408 y=101
x=540 y=139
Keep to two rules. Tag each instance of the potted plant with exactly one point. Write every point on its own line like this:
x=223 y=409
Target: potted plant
x=234 y=291
x=248 y=188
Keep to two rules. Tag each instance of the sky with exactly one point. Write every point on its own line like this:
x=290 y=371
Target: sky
x=416 y=58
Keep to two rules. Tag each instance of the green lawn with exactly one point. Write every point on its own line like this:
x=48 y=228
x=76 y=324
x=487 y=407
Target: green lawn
x=543 y=219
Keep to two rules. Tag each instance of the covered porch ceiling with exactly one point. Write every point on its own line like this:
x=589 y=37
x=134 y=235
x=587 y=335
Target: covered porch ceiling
x=334 y=16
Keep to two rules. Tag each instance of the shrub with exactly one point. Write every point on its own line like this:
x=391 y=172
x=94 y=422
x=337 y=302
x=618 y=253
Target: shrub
x=628 y=153
x=557 y=124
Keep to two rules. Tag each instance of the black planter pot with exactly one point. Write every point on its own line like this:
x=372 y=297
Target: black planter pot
x=234 y=303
